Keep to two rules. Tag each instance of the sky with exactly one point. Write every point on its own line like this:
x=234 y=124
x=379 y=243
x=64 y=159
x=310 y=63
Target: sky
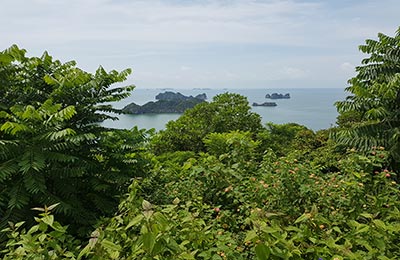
x=204 y=44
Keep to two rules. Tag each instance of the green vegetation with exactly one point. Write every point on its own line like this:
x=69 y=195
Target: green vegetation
x=52 y=150
x=374 y=107
x=215 y=184
x=227 y=112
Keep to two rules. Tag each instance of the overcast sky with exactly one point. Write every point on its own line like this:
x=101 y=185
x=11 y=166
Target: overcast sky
x=204 y=44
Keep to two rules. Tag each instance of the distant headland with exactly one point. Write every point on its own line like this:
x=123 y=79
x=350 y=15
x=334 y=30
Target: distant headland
x=265 y=104
x=167 y=102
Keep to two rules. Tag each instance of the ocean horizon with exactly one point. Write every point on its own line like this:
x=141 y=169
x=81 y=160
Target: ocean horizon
x=311 y=107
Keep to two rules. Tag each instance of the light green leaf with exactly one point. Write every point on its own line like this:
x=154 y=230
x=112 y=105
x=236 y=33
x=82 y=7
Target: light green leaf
x=262 y=251
x=303 y=218
x=380 y=224
x=134 y=221
x=250 y=235
x=49 y=219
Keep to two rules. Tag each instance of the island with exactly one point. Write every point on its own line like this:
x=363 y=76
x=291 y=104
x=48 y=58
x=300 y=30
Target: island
x=172 y=96
x=265 y=104
x=167 y=102
x=278 y=96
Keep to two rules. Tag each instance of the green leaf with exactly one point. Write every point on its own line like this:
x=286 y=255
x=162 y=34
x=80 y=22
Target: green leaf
x=51 y=207
x=303 y=218
x=380 y=224
x=148 y=242
x=187 y=256
x=134 y=221
x=13 y=128
x=49 y=219
x=337 y=229
x=367 y=215
x=250 y=235
x=110 y=246
x=262 y=251
x=362 y=229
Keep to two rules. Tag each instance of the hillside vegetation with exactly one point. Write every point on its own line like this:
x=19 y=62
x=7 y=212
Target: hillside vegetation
x=214 y=184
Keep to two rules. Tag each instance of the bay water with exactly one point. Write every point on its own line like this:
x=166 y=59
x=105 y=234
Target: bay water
x=311 y=107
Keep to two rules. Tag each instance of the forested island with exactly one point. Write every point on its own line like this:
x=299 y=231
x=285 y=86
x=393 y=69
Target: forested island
x=278 y=96
x=265 y=104
x=215 y=184
x=167 y=102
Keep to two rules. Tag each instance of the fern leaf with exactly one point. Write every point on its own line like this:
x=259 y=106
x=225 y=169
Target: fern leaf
x=7 y=169
x=19 y=197
x=13 y=128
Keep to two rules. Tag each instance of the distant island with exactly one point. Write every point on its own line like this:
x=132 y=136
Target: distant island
x=167 y=102
x=278 y=96
x=172 y=96
x=201 y=88
x=265 y=104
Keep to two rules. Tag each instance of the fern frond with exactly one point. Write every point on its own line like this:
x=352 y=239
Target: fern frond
x=60 y=135
x=34 y=182
x=7 y=169
x=14 y=128
x=32 y=160
x=19 y=197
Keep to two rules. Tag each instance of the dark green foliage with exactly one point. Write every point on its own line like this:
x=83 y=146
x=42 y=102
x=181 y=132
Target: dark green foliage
x=375 y=99
x=33 y=80
x=238 y=145
x=348 y=119
x=283 y=192
x=227 y=112
x=163 y=106
x=216 y=209
x=286 y=138
x=288 y=205
x=52 y=149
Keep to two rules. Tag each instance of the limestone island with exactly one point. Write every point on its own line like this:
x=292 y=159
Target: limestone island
x=278 y=96
x=265 y=104
x=167 y=102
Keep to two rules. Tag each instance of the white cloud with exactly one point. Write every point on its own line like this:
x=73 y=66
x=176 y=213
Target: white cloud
x=185 y=68
x=290 y=22
x=347 y=66
x=155 y=21
x=221 y=40
x=293 y=73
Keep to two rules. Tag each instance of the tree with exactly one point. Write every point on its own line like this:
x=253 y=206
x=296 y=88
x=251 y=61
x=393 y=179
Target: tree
x=375 y=98
x=52 y=148
x=227 y=112
x=287 y=138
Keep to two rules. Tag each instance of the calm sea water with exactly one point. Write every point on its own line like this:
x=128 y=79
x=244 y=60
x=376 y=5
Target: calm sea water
x=313 y=108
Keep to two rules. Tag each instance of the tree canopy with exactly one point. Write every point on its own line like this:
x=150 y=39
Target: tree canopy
x=52 y=147
x=374 y=102
x=227 y=112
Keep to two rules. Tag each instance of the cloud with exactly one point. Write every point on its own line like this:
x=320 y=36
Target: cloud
x=293 y=73
x=272 y=22
x=156 y=21
x=222 y=40
x=347 y=66
x=185 y=68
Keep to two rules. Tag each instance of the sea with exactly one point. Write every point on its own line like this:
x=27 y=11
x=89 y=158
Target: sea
x=311 y=107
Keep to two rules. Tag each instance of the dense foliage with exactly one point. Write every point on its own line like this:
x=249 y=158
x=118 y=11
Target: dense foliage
x=227 y=112
x=52 y=149
x=374 y=106
x=215 y=184
x=219 y=206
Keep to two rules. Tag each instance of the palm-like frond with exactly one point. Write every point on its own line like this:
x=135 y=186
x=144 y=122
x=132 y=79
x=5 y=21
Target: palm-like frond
x=376 y=97
x=51 y=142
